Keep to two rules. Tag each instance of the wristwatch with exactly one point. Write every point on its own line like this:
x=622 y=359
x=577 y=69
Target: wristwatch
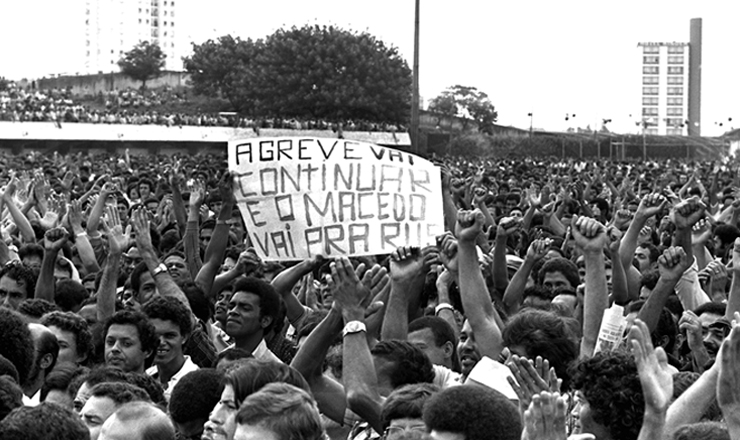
x=443 y=306
x=159 y=269
x=354 y=327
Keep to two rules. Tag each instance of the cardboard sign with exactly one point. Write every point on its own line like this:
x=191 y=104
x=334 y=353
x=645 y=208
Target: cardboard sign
x=302 y=197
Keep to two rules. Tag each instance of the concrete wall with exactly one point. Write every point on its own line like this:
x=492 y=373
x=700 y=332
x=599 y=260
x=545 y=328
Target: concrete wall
x=92 y=84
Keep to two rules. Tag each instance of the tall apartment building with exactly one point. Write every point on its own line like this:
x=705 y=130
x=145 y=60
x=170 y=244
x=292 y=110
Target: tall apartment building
x=113 y=27
x=671 y=85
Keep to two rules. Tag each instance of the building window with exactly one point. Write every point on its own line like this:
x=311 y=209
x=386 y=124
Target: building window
x=674 y=131
x=674 y=122
x=172 y=14
x=675 y=70
x=147 y=21
x=675 y=60
x=674 y=111
x=650 y=80
x=675 y=90
x=650 y=111
x=675 y=49
x=651 y=131
x=650 y=90
x=677 y=80
x=675 y=101
x=649 y=100
x=654 y=70
x=650 y=49
x=650 y=60
x=165 y=33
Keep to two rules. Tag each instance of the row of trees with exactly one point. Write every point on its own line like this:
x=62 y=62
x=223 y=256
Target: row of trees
x=312 y=72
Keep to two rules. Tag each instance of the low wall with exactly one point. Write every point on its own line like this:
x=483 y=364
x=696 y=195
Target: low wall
x=93 y=84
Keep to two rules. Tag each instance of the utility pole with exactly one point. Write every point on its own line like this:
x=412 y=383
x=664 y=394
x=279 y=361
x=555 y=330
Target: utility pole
x=416 y=148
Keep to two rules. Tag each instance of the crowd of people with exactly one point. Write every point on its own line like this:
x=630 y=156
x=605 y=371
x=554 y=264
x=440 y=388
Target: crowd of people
x=149 y=107
x=590 y=299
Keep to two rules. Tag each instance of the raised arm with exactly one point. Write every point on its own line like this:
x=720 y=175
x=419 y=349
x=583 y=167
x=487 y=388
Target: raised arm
x=54 y=239
x=358 y=374
x=82 y=242
x=506 y=227
x=515 y=290
x=118 y=242
x=407 y=282
x=93 y=220
x=590 y=237
x=190 y=240
x=476 y=300
x=671 y=265
x=728 y=383
x=165 y=285
x=220 y=238
x=733 y=300
x=285 y=280
x=656 y=379
x=20 y=219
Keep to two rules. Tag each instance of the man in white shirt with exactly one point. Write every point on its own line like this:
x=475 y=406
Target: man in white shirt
x=253 y=311
x=173 y=325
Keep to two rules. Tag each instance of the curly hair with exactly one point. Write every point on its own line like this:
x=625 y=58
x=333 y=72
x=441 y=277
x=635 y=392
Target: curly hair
x=147 y=336
x=149 y=384
x=120 y=392
x=562 y=265
x=36 y=307
x=544 y=334
x=269 y=298
x=170 y=309
x=69 y=295
x=75 y=324
x=207 y=384
x=610 y=384
x=412 y=365
x=11 y=396
x=61 y=379
x=21 y=274
x=474 y=411
x=16 y=343
x=59 y=423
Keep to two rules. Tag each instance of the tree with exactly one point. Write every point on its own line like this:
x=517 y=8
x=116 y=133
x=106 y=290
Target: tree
x=468 y=103
x=309 y=72
x=143 y=62
x=220 y=68
x=4 y=84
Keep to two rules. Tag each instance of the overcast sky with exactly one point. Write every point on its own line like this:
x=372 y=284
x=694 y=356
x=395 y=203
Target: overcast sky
x=541 y=56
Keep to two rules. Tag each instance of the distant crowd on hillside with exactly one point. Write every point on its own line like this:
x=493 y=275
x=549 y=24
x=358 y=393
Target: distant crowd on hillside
x=137 y=107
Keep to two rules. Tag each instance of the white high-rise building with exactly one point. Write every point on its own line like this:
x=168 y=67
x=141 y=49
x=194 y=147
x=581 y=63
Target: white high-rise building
x=113 y=27
x=665 y=85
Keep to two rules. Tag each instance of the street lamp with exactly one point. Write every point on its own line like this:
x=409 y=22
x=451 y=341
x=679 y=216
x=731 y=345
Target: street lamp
x=531 y=116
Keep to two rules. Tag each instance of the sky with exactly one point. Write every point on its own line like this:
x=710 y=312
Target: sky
x=543 y=57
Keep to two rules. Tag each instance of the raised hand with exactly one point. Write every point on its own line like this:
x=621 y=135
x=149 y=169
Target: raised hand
x=54 y=239
x=140 y=223
x=348 y=291
x=655 y=374
x=531 y=378
x=688 y=212
x=74 y=216
x=650 y=205
x=448 y=252
x=538 y=249
x=226 y=188
x=728 y=383
x=507 y=226
x=701 y=232
x=589 y=234
x=118 y=240
x=469 y=225
x=673 y=263
x=407 y=263
x=545 y=419
x=197 y=194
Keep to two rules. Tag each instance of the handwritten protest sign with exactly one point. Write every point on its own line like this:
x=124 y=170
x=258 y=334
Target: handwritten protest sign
x=301 y=197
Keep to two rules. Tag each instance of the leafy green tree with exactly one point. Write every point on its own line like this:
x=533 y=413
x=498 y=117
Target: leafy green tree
x=4 y=83
x=309 y=72
x=142 y=63
x=468 y=103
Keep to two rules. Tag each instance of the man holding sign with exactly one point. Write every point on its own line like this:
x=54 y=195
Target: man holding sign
x=302 y=197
